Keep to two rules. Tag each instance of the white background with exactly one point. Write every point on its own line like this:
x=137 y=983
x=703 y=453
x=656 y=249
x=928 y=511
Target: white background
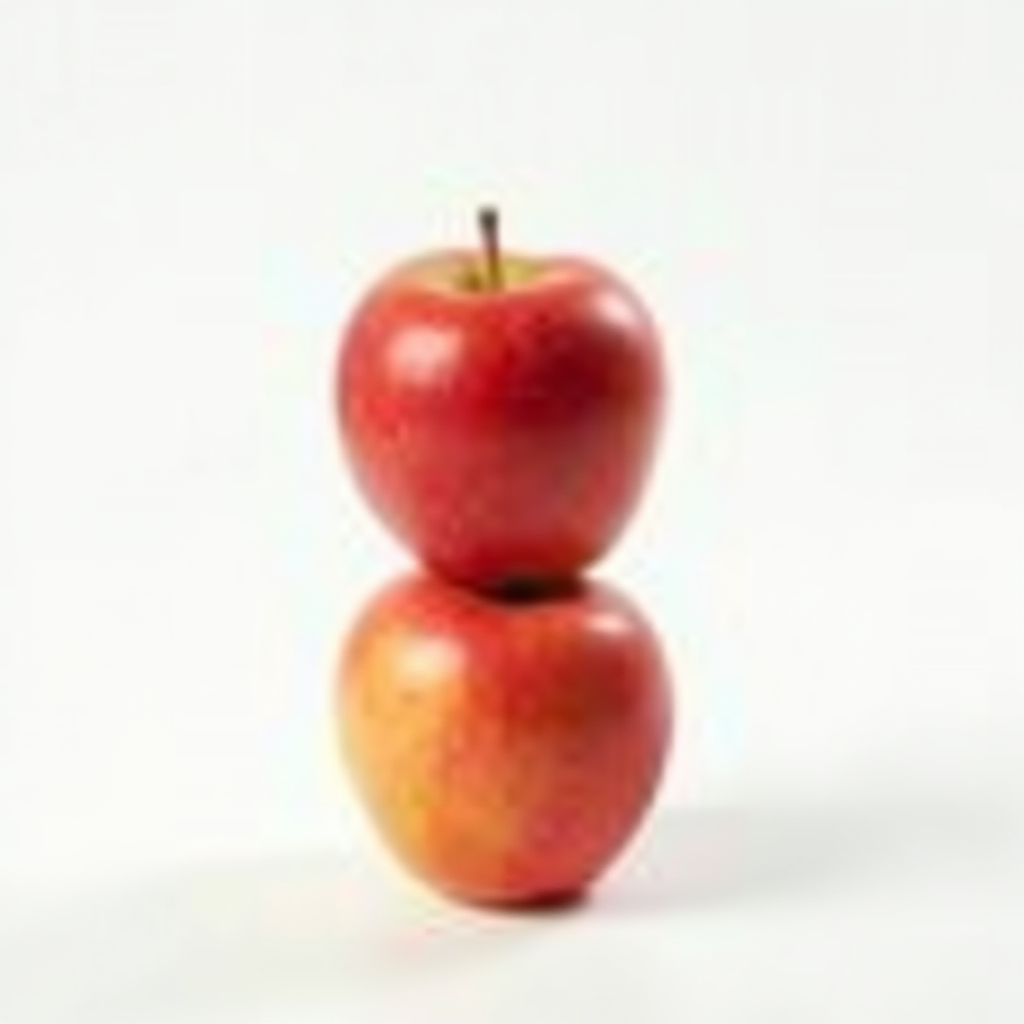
x=824 y=204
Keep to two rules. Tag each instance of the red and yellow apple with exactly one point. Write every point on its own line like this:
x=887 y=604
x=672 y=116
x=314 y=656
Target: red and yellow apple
x=500 y=410
x=506 y=747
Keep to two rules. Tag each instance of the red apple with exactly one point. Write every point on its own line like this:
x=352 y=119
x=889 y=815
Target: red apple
x=500 y=410
x=506 y=747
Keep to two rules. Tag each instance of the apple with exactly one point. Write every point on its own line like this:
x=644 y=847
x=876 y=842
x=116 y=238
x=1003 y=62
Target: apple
x=506 y=747
x=500 y=410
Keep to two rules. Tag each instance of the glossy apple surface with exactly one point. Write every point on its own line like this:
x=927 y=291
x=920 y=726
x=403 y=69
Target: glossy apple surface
x=504 y=434
x=506 y=749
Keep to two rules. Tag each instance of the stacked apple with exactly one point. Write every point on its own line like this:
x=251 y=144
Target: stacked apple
x=506 y=720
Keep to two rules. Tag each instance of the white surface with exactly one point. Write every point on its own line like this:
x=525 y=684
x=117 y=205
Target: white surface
x=823 y=203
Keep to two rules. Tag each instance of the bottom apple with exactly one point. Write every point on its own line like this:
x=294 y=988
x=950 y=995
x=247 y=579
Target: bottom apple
x=506 y=747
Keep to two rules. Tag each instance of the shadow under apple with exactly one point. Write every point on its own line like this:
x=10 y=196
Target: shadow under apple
x=244 y=939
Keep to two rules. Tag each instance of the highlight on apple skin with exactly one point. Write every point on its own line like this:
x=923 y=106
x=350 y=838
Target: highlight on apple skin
x=500 y=411
x=506 y=748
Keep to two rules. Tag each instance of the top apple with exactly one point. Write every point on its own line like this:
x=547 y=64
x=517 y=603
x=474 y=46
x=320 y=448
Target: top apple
x=500 y=410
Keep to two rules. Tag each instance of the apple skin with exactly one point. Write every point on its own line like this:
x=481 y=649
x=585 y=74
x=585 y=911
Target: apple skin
x=502 y=435
x=506 y=749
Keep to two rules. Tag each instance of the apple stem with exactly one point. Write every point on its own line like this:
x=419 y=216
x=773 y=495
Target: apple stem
x=489 y=222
